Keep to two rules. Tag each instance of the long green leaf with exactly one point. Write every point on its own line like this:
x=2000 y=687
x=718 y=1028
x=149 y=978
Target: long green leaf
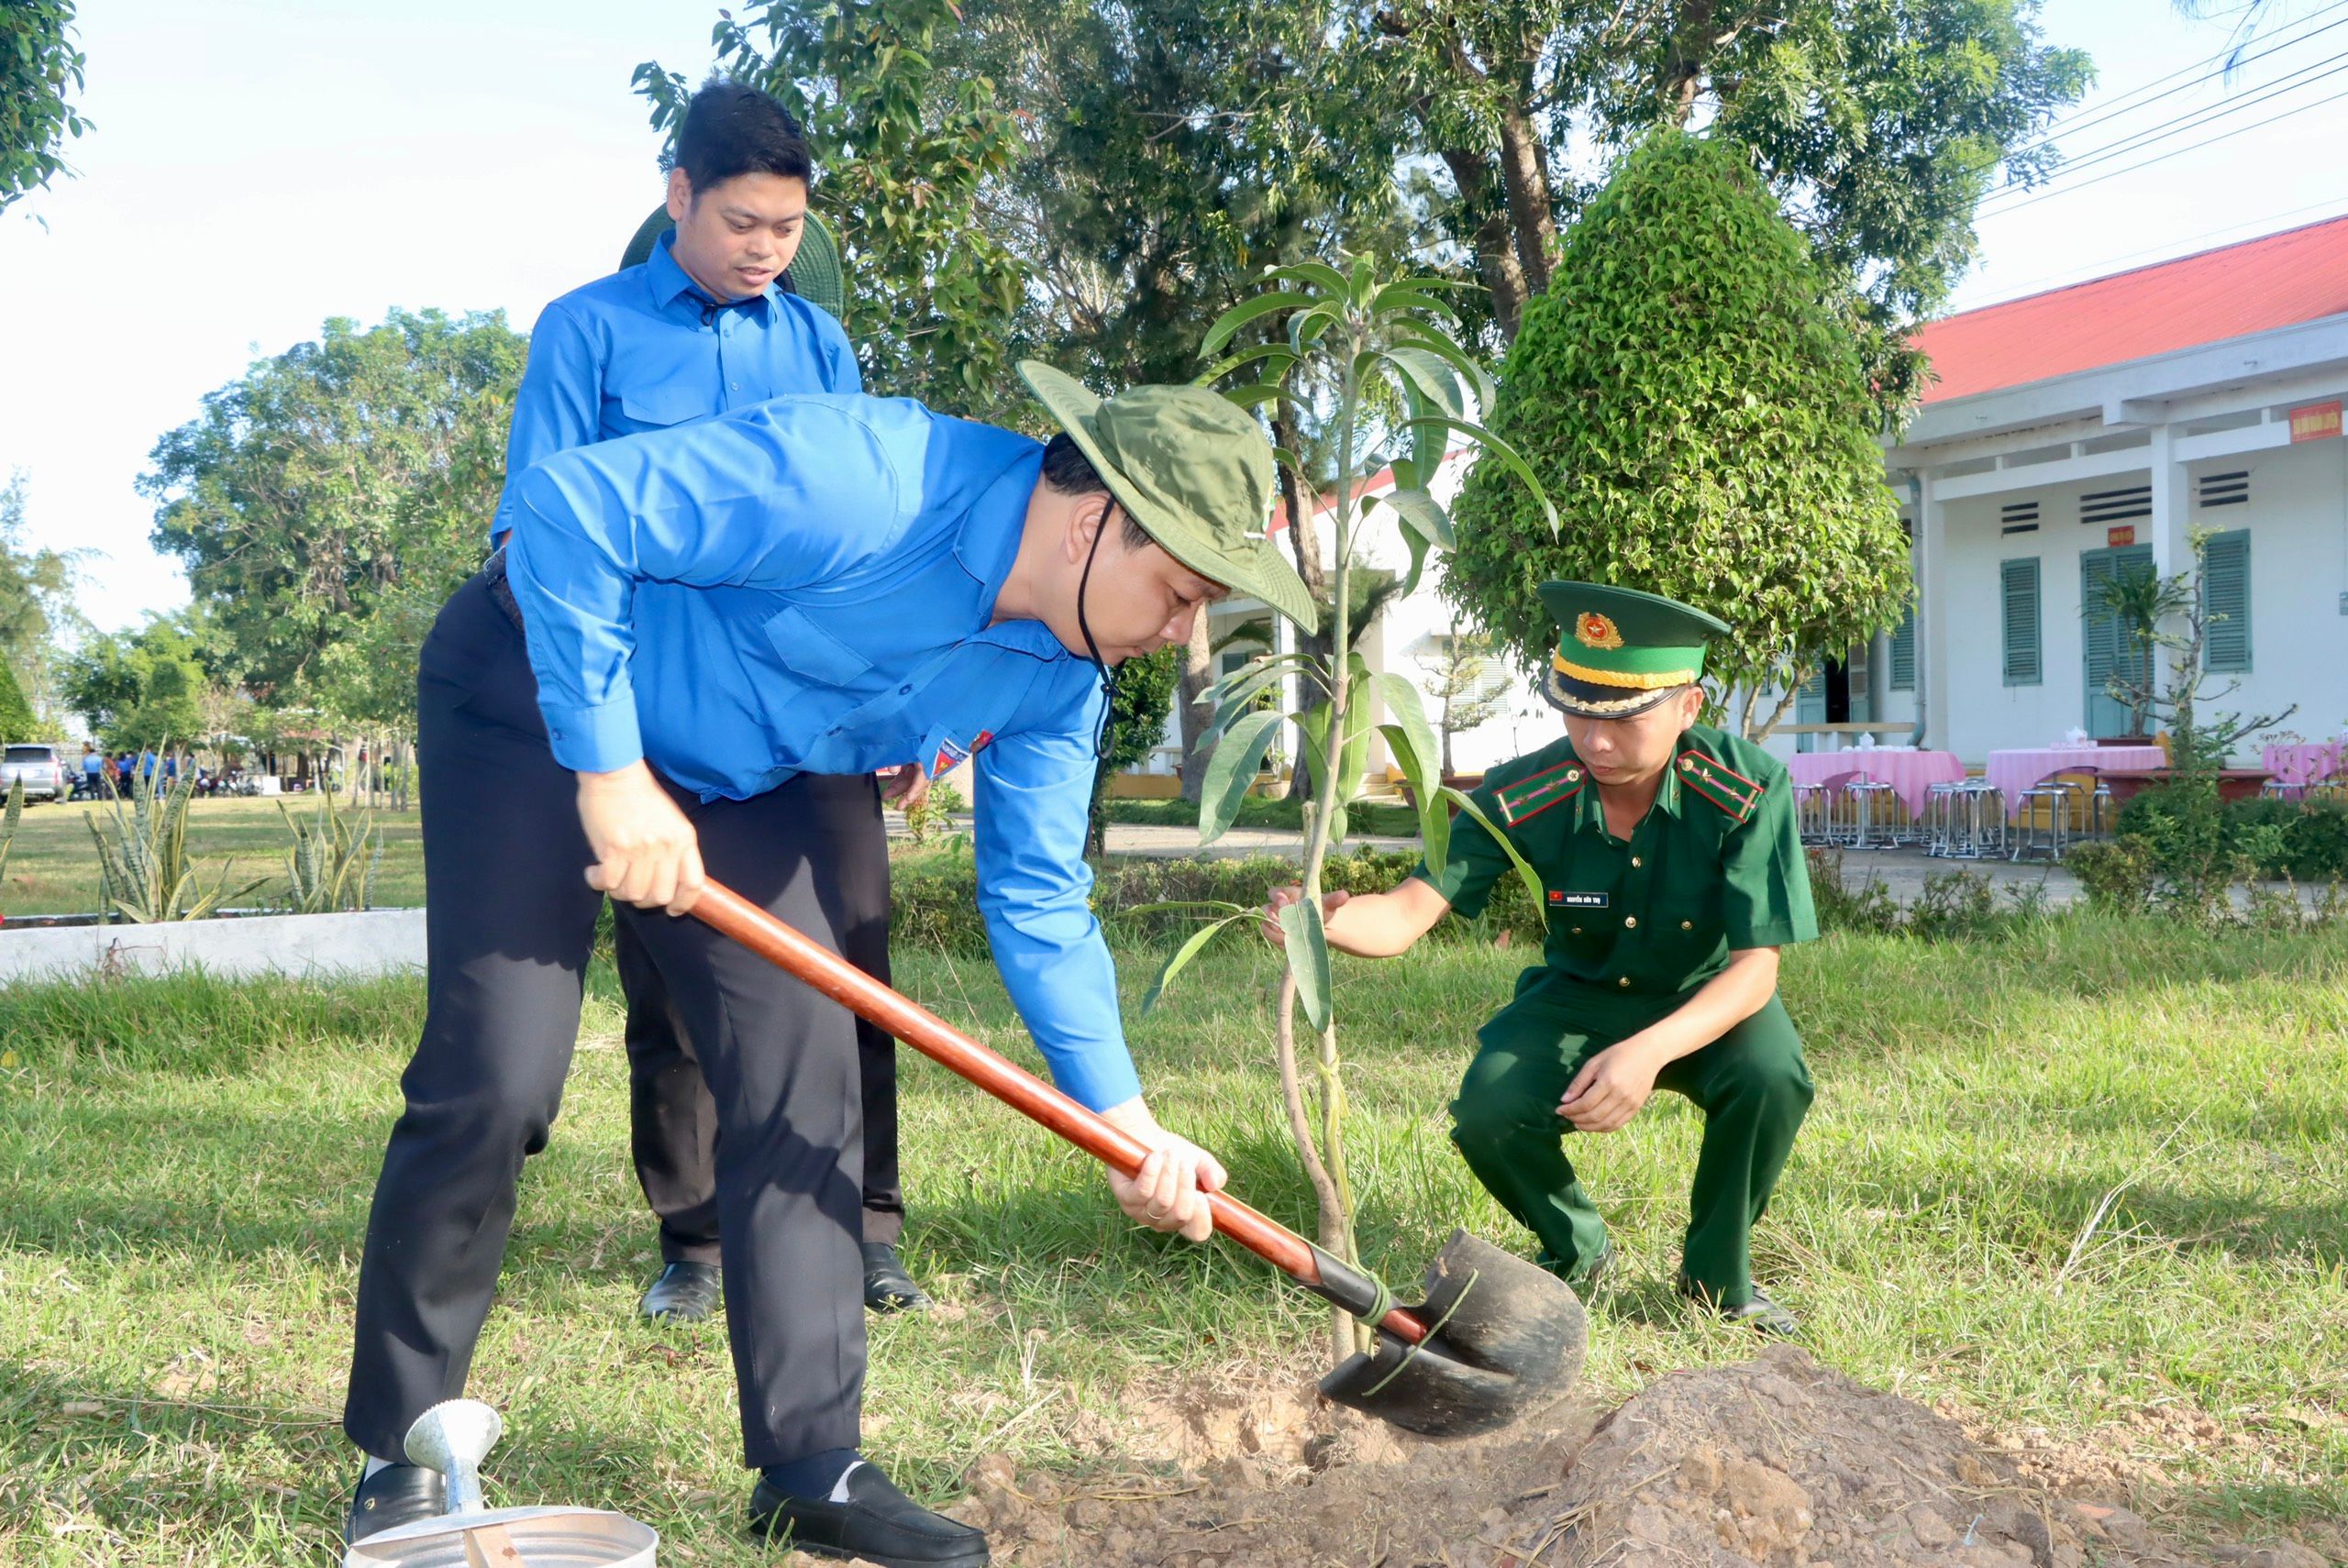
x=1308 y=959
x=1404 y=707
x=1432 y=375
x=1407 y=295
x=1305 y=328
x=1524 y=873
x=1317 y=274
x=1254 y=394
x=1231 y=771
x=1228 y=324
x=1480 y=380
x=1279 y=354
x=1424 y=516
x=1506 y=453
x=1189 y=949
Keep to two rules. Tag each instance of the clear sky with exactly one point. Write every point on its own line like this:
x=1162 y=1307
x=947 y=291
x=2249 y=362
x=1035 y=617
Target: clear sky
x=261 y=165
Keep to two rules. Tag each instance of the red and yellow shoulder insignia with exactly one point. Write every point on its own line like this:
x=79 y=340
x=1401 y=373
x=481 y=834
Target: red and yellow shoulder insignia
x=1722 y=784
x=1527 y=797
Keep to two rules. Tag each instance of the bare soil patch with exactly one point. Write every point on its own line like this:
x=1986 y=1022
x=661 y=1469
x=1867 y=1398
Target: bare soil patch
x=1773 y=1463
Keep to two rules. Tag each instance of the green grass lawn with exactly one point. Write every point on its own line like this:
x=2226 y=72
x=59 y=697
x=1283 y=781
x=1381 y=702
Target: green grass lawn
x=53 y=865
x=2091 y=1180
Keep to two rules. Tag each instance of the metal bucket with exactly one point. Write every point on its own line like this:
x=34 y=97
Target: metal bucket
x=545 y=1538
x=452 y=1438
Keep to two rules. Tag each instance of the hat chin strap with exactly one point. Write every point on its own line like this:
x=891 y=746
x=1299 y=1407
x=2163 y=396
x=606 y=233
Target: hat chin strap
x=1092 y=649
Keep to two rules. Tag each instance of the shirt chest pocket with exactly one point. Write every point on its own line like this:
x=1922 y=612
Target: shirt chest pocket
x=807 y=649
x=657 y=405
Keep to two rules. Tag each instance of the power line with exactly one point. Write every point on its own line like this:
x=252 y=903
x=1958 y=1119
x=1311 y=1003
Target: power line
x=2173 y=152
x=2222 y=61
x=2114 y=111
x=2191 y=120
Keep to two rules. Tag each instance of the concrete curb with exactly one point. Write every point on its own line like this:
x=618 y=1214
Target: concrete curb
x=374 y=941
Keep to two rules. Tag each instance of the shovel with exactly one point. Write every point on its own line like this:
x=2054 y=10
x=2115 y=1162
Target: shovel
x=1495 y=1338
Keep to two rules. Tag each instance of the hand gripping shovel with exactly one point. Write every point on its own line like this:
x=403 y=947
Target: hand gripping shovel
x=1495 y=1338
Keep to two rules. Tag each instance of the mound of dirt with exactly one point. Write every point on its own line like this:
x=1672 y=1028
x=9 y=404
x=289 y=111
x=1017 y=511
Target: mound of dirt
x=1775 y=1463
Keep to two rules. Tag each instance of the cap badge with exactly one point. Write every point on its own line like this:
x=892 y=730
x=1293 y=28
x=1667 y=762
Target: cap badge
x=1592 y=630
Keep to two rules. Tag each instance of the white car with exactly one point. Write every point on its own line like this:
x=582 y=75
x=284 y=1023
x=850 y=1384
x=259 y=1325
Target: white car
x=38 y=768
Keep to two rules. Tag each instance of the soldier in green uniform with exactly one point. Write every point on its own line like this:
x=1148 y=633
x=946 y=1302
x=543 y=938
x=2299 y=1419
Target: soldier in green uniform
x=1673 y=873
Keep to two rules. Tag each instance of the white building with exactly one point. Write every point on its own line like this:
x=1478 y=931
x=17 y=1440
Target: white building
x=2088 y=431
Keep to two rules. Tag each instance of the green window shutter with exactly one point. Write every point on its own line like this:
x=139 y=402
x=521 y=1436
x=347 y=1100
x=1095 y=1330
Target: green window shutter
x=2225 y=599
x=1903 y=652
x=2019 y=583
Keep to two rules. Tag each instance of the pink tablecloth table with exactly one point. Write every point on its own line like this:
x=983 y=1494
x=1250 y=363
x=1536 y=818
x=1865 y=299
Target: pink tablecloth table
x=2299 y=765
x=1910 y=774
x=2013 y=771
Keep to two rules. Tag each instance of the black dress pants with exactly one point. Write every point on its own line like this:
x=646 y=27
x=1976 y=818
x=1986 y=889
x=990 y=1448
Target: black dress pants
x=672 y=1123
x=509 y=922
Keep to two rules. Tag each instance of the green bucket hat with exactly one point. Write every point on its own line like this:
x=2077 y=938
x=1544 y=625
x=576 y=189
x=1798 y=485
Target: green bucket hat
x=814 y=271
x=1194 y=470
x=1620 y=652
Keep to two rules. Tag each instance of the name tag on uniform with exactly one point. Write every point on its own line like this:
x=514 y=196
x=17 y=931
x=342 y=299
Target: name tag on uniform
x=1580 y=900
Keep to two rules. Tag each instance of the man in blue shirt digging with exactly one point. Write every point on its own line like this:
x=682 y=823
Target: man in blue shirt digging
x=716 y=614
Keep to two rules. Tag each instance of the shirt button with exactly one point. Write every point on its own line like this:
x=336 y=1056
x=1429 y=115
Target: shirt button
x=1630 y=923
x=1577 y=931
x=905 y=690
x=1624 y=982
x=1686 y=925
x=1635 y=862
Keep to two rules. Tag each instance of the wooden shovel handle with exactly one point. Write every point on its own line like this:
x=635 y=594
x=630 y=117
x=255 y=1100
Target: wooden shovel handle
x=730 y=914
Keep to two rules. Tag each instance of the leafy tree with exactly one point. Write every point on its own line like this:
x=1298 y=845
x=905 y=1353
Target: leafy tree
x=38 y=618
x=1705 y=426
x=16 y=722
x=39 y=67
x=902 y=151
x=1145 y=695
x=137 y=689
x=1378 y=339
x=312 y=490
x=1460 y=678
x=1877 y=124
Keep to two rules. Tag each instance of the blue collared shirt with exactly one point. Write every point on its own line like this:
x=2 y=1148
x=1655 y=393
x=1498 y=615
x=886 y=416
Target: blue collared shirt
x=645 y=348
x=809 y=586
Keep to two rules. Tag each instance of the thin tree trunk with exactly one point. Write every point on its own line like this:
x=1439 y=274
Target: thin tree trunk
x=1198 y=674
x=1495 y=239
x=1304 y=544
x=1524 y=170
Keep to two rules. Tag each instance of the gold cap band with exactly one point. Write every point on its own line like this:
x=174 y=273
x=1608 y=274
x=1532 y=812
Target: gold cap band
x=1626 y=680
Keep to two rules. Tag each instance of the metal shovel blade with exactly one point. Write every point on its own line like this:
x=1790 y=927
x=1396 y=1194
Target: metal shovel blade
x=1507 y=1341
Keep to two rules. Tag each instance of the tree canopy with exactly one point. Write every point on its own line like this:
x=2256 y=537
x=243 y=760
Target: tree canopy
x=343 y=481
x=39 y=620
x=40 y=71
x=1877 y=124
x=1703 y=424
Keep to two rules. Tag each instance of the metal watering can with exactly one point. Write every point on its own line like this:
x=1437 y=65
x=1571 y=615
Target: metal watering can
x=452 y=1438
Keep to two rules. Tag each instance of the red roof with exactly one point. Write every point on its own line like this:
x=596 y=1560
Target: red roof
x=2258 y=285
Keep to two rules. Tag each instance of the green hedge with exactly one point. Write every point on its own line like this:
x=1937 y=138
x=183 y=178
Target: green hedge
x=936 y=906
x=2307 y=841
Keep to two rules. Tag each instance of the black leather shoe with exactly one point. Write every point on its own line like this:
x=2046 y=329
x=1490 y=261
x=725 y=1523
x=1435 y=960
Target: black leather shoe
x=887 y=1286
x=685 y=1293
x=877 y=1523
x=395 y=1495
x=1760 y=1314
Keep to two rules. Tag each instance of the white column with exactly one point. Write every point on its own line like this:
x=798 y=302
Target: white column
x=1931 y=556
x=2172 y=505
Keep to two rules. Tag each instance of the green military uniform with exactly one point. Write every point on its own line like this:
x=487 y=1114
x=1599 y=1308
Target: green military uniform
x=1635 y=928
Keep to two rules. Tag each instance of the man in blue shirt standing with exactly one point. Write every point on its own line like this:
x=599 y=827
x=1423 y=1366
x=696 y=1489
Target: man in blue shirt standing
x=709 y=322
x=719 y=617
